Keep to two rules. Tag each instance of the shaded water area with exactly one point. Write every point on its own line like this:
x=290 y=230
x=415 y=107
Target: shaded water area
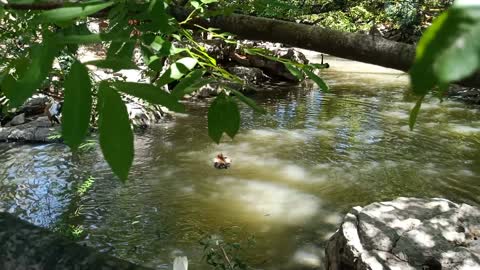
x=295 y=173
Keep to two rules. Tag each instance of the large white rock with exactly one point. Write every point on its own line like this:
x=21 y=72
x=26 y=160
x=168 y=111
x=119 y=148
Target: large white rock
x=407 y=233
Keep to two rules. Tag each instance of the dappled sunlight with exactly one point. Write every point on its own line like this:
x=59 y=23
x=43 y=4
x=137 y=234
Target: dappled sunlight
x=308 y=256
x=462 y=129
x=270 y=202
x=396 y=114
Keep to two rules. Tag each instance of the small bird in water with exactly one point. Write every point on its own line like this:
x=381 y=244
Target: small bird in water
x=221 y=162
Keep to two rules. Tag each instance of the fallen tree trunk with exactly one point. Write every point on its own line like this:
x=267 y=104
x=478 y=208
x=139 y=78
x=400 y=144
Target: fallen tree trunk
x=358 y=47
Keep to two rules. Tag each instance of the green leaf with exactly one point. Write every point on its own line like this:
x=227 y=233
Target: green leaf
x=460 y=58
x=155 y=63
x=90 y=38
x=150 y=93
x=223 y=116
x=42 y=57
x=113 y=49
x=316 y=79
x=414 y=113
x=77 y=105
x=2 y=12
x=177 y=70
x=80 y=39
x=188 y=84
x=163 y=47
x=448 y=50
x=295 y=71
x=159 y=17
x=115 y=64
x=116 y=136
x=69 y=13
x=7 y=84
x=126 y=51
x=247 y=101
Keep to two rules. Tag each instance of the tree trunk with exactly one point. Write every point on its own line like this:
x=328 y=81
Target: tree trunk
x=358 y=47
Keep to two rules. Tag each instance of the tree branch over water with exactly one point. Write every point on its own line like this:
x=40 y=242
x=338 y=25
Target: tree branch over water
x=358 y=47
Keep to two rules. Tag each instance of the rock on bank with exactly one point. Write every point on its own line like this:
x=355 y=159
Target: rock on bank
x=407 y=233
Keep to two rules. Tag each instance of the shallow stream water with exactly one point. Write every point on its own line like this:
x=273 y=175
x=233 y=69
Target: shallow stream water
x=295 y=173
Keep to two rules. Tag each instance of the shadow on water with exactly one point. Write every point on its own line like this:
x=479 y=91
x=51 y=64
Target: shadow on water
x=295 y=172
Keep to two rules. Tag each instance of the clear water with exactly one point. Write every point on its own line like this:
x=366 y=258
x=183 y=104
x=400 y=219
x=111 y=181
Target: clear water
x=295 y=172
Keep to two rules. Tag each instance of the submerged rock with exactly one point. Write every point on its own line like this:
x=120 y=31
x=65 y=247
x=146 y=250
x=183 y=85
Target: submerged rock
x=208 y=90
x=249 y=74
x=407 y=233
x=142 y=114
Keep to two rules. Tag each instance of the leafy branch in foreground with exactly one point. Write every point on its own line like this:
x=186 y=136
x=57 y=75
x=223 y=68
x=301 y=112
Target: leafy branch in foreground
x=449 y=51
x=144 y=25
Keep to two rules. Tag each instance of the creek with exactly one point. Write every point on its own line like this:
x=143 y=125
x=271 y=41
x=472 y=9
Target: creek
x=295 y=172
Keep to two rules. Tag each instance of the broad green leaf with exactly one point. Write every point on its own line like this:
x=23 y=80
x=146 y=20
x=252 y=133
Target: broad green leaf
x=148 y=38
x=316 y=79
x=79 y=39
x=460 y=58
x=89 y=38
x=414 y=113
x=188 y=84
x=160 y=20
x=146 y=53
x=163 y=47
x=21 y=65
x=113 y=49
x=42 y=57
x=69 y=13
x=116 y=136
x=150 y=93
x=195 y=4
x=295 y=71
x=115 y=64
x=77 y=105
x=177 y=70
x=155 y=63
x=223 y=116
x=126 y=51
x=247 y=101
x=445 y=40
x=7 y=84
